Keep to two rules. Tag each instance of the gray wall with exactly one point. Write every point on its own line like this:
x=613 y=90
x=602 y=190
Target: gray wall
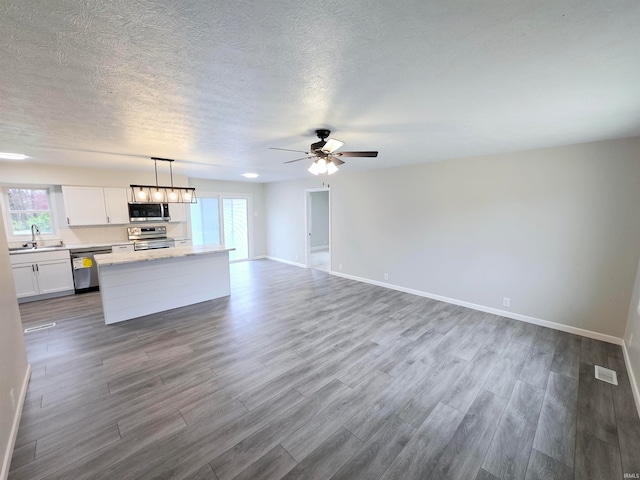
x=256 y=190
x=13 y=357
x=319 y=219
x=555 y=230
x=633 y=328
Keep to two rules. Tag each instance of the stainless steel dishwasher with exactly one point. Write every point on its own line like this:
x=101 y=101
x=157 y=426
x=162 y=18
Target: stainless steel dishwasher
x=85 y=278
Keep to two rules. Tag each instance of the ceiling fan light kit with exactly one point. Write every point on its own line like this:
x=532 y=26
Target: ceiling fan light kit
x=162 y=194
x=324 y=155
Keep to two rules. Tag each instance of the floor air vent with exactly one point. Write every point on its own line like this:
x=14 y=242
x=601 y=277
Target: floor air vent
x=39 y=327
x=606 y=375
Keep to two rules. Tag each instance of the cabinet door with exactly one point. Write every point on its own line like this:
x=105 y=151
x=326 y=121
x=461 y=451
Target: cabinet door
x=116 y=201
x=24 y=278
x=84 y=205
x=54 y=276
x=178 y=212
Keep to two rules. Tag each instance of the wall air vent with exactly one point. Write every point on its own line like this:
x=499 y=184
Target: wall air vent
x=606 y=375
x=39 y=327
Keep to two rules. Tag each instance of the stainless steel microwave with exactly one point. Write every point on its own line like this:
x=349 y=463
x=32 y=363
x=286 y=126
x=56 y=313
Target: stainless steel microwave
x=149 y=212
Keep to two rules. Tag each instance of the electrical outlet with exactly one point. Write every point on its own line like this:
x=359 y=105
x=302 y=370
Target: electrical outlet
x=506 y=302
x=386 y=276
x=13 y=400
x=630 y=340
x=339 y=266
x=297 y=257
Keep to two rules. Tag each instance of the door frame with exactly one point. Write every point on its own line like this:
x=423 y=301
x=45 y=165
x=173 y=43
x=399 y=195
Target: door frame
x=307 y=224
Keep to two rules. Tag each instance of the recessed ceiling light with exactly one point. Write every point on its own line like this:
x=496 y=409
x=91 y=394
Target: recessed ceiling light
x=12 y=156
x=250 y=175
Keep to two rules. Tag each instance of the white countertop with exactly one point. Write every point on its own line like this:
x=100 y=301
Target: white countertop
x=157 y=254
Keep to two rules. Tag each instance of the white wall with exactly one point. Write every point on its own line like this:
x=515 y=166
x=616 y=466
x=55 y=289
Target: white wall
x=256 y=191
x=319 y=219
x=556 y=230
x=633 y=329
x=13 y=357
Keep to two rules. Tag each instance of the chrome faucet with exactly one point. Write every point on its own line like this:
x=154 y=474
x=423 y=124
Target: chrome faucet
x=34 y=231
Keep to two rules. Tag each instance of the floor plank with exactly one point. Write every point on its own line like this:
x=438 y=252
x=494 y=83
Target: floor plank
x=543 y=467
x=508 y=454
x=556 y=432
x=465 y=451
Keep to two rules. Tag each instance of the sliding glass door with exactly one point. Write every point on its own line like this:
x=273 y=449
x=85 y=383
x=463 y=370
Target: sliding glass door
x=235 y=213
x=225 y=220
x=205 y=222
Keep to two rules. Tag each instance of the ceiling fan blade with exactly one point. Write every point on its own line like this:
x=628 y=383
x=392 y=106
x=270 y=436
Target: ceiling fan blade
x=331 y=145
x=298 y=159
x=357 y=154
x=287 y=150
x=335 y=160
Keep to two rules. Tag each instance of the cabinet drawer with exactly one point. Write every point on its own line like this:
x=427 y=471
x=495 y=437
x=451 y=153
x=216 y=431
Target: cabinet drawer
x=122 y=248
x=37 y=257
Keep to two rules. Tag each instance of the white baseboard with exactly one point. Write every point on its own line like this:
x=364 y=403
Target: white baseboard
x=288 y=262
x=632 y=377
x=259 y=257
x=503 y=313
x=6 y=461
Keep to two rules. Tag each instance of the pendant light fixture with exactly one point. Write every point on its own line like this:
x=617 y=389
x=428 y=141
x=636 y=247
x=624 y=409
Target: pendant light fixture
x=162 y=194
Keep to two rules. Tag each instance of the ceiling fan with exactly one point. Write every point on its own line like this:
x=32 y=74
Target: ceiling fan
x=324 y=155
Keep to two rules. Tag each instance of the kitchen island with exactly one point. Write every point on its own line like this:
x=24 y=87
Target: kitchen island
x=133 y=284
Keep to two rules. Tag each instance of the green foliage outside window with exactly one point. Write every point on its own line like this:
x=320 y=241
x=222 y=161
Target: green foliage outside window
x=27 y=207
x=22 y=222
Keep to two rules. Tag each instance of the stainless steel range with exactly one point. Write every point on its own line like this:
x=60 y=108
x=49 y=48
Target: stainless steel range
x=149 y=238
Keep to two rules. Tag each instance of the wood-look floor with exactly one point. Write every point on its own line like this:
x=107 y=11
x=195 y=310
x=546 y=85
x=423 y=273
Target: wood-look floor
x=303 y=375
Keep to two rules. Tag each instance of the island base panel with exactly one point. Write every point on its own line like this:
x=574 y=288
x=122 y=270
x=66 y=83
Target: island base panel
x=132 y=290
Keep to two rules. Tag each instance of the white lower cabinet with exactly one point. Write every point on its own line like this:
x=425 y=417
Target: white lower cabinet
x=24 y=277
x=43 y=273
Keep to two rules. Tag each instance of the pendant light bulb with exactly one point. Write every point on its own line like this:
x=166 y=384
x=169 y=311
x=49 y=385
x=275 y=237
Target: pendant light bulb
x=322 y=165
x=142 y=195
x=157 y=195
x=173 y=195
x=313 y=168
x=187 y=195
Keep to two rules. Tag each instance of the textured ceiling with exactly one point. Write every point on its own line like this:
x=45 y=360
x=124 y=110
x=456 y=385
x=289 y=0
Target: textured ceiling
x=111 y=83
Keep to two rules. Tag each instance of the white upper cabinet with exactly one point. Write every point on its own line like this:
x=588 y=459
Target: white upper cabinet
x=84 y=205
x=116 y=200
x=95 y=205
x=178 y=212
